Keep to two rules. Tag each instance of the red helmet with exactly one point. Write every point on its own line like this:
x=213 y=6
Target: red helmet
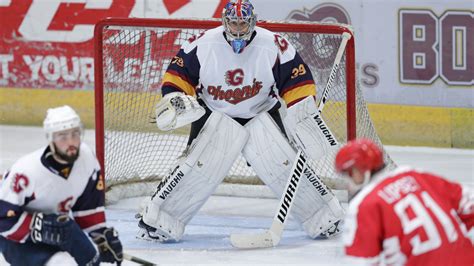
x=363 y=154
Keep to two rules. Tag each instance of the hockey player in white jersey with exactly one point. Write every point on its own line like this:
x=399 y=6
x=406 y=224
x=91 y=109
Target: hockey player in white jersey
x=52 y=201
x=238 y=72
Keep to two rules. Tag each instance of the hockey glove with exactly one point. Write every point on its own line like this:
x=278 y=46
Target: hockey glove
x=109 y=245
x=61 y=231
x=51 y=229
x=176 y=110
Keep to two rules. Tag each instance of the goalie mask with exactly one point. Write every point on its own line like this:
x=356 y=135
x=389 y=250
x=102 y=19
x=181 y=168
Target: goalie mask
x=239 y=22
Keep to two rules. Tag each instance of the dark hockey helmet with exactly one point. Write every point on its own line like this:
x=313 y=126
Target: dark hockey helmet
x=239 y=21
x=362 y=154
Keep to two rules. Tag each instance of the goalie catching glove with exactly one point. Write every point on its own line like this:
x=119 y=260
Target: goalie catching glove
x=108 y=244
x=176 y=110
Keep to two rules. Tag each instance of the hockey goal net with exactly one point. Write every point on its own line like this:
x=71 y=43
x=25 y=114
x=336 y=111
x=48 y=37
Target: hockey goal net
x=131 y=58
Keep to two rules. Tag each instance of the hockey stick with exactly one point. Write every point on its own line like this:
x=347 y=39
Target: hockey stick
x=342 y=47
x=137 y=260
x=317 y=117
x=272 y=236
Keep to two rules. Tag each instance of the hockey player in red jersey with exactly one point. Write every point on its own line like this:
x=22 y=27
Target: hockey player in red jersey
x=230 y=83
x=404 y=216
x=52 y=201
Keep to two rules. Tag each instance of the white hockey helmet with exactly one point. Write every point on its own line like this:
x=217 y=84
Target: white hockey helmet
x=60 y=118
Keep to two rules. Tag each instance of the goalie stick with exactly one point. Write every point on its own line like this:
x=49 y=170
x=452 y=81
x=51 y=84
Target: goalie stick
x=137 y=260
x=272 y=236
x=332 y=141
x=342 y=47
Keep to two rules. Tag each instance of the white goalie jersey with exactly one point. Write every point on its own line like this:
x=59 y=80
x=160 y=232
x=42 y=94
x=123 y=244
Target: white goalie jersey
x=239 y=85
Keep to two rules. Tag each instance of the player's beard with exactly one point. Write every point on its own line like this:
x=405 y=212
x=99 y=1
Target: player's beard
x=64 y=155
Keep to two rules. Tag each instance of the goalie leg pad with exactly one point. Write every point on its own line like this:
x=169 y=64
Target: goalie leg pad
x=325 y=221
x=210 y=157
x=268 y=152
x=271 y=157
x=308 y=129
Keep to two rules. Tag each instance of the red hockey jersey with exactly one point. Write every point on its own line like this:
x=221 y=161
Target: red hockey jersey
x=410 y=217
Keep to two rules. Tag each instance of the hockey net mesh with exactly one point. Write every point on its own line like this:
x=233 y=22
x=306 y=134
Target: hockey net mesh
x=135 y=59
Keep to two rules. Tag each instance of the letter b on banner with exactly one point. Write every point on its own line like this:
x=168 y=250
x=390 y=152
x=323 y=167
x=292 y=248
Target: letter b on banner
x=432 y=47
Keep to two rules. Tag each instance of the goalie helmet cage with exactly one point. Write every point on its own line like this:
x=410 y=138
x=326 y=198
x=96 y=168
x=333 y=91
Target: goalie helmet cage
x=131 y=57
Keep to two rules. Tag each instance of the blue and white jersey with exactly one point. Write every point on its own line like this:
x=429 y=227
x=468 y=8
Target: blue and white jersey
x=240 y=85
x=33 y=184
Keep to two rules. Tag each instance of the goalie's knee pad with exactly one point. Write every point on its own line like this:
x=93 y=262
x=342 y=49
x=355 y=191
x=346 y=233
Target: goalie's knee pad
x=271 y=157
x=309 y=131
x=181 y=194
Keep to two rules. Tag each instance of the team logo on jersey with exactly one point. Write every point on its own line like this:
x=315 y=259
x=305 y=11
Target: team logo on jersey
x=20 y=182
x=234 y=77
x=281 y=43
x=100 y=184
x=65 y=205
x=66 y=171
x=237 y=95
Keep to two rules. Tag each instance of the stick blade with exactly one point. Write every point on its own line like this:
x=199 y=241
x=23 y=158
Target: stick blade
x=138 y=260
x=249 y=241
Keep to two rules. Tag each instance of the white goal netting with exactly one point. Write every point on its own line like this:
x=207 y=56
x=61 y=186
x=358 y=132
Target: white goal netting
x=131 y=58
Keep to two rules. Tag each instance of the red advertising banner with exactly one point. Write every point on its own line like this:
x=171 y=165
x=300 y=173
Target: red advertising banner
x=49 y=43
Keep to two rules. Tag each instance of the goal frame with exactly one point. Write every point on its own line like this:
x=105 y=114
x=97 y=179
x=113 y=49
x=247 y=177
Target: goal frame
x=208 y=24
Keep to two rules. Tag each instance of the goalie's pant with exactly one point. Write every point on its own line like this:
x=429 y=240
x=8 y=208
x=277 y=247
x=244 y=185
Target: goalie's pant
x=271 y=157
x=209 y=158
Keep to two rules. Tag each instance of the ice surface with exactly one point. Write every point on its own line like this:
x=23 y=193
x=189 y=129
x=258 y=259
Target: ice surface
x=206 y=239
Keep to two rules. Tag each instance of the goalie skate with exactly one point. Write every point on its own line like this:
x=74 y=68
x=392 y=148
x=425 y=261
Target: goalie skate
x=331 y=231
x=150 y=233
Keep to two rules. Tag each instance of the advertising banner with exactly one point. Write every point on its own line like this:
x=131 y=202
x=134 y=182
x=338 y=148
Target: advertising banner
x=49 y=43
x=410 y=54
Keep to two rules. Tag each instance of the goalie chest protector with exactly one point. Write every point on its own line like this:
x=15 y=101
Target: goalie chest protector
x=239 y=85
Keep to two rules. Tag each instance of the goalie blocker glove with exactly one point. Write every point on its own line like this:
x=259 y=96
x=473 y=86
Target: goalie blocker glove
x=64 y=233
x=109 y=245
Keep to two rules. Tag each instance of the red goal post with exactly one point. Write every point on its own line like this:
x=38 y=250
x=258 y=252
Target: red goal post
x=131 y=56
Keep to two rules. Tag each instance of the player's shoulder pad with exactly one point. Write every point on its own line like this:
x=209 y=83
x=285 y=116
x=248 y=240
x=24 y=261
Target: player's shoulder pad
x=367 y=195
x=88 y=156
x=30 y=161
x=277 y=42
x=25 y=170
x=212 y=35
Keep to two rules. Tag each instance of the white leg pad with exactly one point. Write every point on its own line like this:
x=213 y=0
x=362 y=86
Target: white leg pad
x=330 y=211
x=180 y=195
x=308 y=130
x=271 y=157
